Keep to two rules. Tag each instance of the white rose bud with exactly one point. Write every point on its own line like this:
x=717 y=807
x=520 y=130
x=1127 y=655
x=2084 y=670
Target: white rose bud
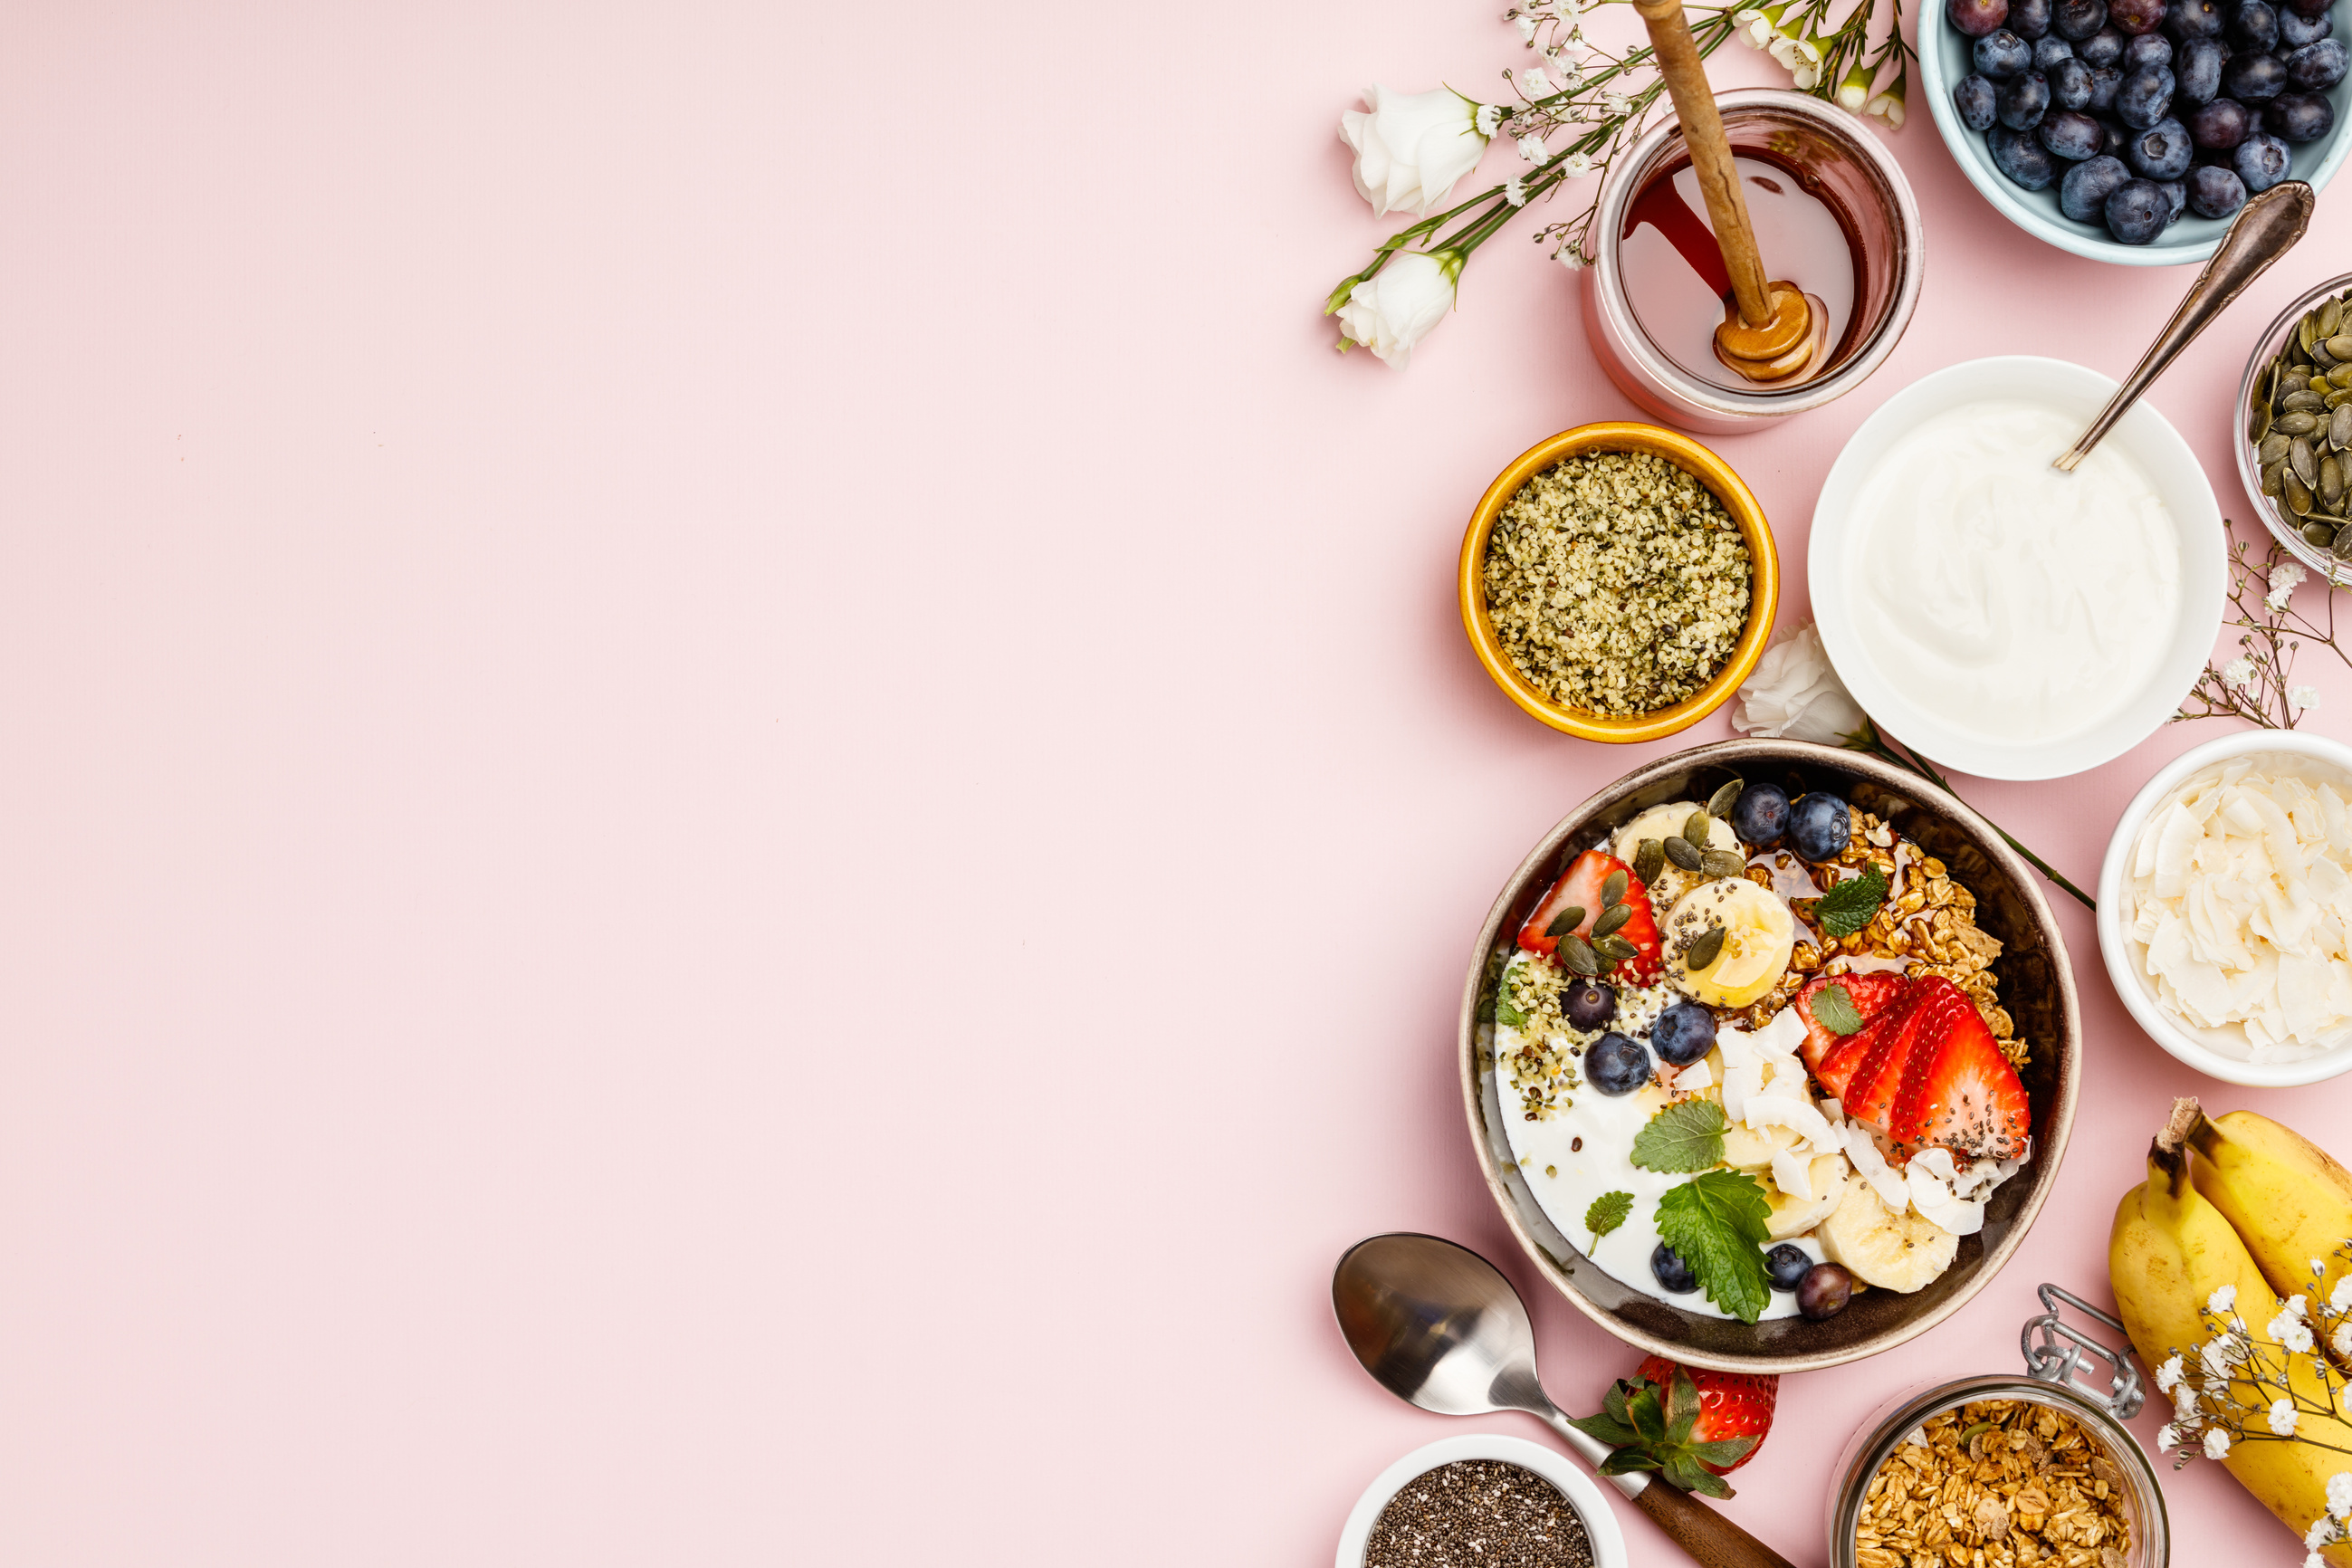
x=1795 y=694
x=1411 y=148
x=1397 y=306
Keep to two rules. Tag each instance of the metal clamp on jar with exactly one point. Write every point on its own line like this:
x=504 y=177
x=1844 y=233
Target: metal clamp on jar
x=2068 y=1372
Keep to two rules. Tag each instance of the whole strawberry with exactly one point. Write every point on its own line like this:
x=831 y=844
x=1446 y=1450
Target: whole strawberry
x=1689 y=1424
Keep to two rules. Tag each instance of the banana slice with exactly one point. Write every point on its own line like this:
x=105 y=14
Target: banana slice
x=1745 y=1149
x=1759 y=934
x=1792 y=1215
x=1881 y=1248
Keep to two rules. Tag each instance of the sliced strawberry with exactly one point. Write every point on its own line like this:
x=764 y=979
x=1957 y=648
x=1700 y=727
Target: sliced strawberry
x=1958 y=1091
x=1580 y=887
x=1731 y=1404
x=1870 y=1094
x=1870 y=993
x=1839 y=1067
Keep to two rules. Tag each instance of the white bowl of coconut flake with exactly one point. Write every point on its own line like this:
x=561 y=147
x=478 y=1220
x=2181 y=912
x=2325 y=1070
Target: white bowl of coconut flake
x=2225 y=908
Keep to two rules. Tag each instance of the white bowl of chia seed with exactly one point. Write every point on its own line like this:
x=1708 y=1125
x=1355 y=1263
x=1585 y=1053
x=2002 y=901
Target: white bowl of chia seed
x=1519 y=1501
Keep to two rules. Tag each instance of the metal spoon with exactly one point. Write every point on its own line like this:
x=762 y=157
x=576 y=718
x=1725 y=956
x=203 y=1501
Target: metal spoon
x=2265 y=229
x=1438 y=1327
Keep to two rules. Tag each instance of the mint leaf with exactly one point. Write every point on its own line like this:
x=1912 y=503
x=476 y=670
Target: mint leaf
x=1607 y=1213
x=1716 y=1224
x=1506 y=1013
x=1686 y=1136
x=1847 y=907
x=1833 y=1010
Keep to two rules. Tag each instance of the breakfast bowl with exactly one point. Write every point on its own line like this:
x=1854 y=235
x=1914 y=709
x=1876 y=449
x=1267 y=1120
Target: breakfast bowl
x=2058 y=622
x=1584 y=1499
x=1718 y=478
x=2246 y=440
x=1946 y=56
x=1938 y=844
x=2224 y=1052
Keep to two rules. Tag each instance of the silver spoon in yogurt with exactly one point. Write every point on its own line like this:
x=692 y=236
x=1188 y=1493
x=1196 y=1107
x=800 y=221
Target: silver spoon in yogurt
x=1439 y=1327
x=2265 y=228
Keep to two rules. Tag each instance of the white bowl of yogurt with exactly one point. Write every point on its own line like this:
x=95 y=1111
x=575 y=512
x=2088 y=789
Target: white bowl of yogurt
x=2003 y=617
x=2231 y=1051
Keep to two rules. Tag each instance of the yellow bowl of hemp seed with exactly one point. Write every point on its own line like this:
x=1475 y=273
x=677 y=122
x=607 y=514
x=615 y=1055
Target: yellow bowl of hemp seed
x=1618 y=581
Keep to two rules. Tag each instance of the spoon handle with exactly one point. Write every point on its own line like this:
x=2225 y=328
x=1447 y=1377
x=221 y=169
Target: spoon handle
x=2265 y=229
x=1712 y=1540
x=1677 y=57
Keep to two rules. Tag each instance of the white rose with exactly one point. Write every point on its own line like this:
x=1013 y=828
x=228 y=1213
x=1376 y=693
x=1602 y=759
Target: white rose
x=1411 y=148
x=1794 y=694
x=1396 y=307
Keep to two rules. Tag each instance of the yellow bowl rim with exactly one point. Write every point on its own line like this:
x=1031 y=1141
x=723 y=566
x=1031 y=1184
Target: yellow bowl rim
x=1764 y=580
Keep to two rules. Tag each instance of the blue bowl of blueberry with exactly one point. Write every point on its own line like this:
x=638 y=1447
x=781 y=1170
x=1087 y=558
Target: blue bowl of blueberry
x=2132 y=131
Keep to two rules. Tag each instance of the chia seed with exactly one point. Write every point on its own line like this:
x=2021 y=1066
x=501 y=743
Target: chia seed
x=1479 y=1512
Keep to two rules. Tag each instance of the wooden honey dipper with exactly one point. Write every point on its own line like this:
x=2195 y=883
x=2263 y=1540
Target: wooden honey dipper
x=1773 y=332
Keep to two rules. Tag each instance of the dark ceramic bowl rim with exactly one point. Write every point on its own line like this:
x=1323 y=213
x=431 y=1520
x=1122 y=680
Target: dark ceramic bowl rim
x=1743 y=757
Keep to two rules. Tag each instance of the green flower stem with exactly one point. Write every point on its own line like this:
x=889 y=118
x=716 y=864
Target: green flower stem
x=1868 y=739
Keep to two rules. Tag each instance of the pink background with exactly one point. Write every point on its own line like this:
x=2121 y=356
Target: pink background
x=740 y=805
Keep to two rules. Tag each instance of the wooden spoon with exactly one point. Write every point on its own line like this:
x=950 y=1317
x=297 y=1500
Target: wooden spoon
x=1771 y=331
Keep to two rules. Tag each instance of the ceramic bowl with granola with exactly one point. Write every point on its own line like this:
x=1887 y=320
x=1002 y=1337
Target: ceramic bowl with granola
x=1770 y=1055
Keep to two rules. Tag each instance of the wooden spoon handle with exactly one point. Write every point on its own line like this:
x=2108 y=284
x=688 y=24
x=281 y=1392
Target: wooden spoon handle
x=1712 y=1540
x=1718 y=179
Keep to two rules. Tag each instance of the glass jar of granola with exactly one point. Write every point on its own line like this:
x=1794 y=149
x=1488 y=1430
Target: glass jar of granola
x=2008 y=1471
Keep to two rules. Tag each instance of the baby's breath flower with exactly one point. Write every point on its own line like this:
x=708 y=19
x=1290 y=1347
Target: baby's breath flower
x=1571 y=258
x=2282 y=1417
x=2341 y=1340
x=2167 y=1377
x=2184 y=1404
x=2321 y=1532
x=1526 y=26
x=1514 y=190
x=1575 y=166
x=2341 y=1300
x=2303 y=696
x=2240 y=673
x=1533 y=82
x=1533 y=150
x=2222 y=1301
x=2167 y=1440
x=2314 y=1559
x=1490 y=119
x=2217 y=1444
x=2339 y=1495
x=1616 y=105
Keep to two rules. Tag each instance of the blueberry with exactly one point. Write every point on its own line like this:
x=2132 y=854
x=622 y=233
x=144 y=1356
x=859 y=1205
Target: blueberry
x=2316 y=66
x=2112 y=139
x=2029 y=19
x=1972 y=96
x=2070 y=84
x=2254 y=78
x=1675 y=1276
x=2214 y=191
x=2001 y=55
x=2197 y=72
x=2296 y=29
x=2162 y=152
x=1683 y=1032
x=1820 y=826
x=1787 y=1264
x=2019 y=155
x=1589 y=1004
x=2106 y=81
x=1824 y=1291
x=2071 y=135
x=1616 y=1065
x=2175 y=199
x=2194 y=19
x=2256 y=29
x=1761 y=813
x=2083 y=196
x=2310 y=8
x=2299 y=116
x=2220 y=124
x=2260 y=161
x=1975 y=17
x=2136 y=16
x=2024 y=101
x=2147 y=49
x=2078 y=19
x=2104 y=47
x=2048 y=51
x=2137 y=212
x=2145 y=98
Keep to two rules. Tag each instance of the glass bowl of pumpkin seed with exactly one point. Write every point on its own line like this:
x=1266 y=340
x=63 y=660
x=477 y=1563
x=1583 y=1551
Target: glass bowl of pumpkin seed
x=2294 y=445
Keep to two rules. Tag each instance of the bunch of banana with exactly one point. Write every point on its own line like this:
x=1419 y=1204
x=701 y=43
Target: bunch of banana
x=2171 y=1248
x=2288 y=1202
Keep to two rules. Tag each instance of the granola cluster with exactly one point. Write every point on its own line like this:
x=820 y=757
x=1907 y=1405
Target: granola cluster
x=1999 y=1483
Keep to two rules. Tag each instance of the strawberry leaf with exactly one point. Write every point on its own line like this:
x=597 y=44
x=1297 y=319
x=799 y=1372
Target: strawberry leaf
x=1724 y=1451
x=1601 y=1429
x=1833 y=1010
x=1682 y=1138
x=1716 y=1224
x=1607 y=1213
x=1847 y=907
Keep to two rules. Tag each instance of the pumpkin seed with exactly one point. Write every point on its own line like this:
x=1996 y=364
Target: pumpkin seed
x=1612 y=916
x=2305 y=402
x=2341 y=375
x=1649 y=859
x=2272 y=447
x=2298 y=494
x=2259 y=427
x=1612 y=889
x=1579 y=956
x=1704 y=949
x=2331 y=480
x=2338 y=399
x=1698 y=828
x=1616 y=948
x=1720 y=802
x=2318 y=535
x=1680 y=852
x=2302 y=461
x=2270 y=477
x=2339 y=348
x=2296 y=424
x=1567 y=920
x=2267 y=387
x=2343 y=545
x=2339 y=425
x=2331 y=316
x=1722 y=863
x=2306 y=332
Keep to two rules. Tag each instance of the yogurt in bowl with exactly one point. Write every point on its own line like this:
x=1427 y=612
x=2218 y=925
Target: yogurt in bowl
x=2006 y=618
